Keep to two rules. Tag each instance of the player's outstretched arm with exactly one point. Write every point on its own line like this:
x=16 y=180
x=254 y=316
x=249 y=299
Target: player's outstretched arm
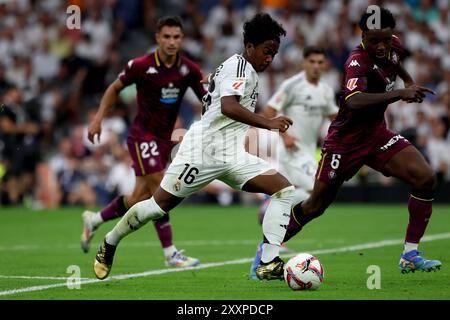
x=109 y=99
x=413 y=93
x=231 y=108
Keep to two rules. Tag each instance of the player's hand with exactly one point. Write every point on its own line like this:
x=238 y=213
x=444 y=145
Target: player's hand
x=289 y=141
x=205 y=79
x=280 y=123
x=415 y=93
x=94 y=129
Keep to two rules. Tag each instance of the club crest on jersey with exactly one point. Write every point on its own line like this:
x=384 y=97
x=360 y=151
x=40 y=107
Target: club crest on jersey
x=152 y=162
x=351 y=84
x=394 y=58
x=177 y=186
x=332 y=174
x=184 y=70
x=354 y=63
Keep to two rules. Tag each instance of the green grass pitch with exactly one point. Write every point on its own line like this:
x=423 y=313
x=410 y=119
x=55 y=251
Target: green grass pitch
x=37 y=247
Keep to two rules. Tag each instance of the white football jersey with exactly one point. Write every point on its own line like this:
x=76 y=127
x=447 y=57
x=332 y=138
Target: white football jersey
x=307 y=105
x=219 y=136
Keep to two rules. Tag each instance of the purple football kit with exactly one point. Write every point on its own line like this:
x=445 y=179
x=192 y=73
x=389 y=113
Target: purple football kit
x=360 y=137
x=160 y=91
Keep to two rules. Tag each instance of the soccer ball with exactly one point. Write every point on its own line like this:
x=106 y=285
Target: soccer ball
x=303 y=272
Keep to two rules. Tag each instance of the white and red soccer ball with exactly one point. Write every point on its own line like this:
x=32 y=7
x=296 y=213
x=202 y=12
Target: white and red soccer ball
x=303 y=272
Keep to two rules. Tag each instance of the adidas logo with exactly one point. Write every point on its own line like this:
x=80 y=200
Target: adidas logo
x=152 y=70
x=354 y=63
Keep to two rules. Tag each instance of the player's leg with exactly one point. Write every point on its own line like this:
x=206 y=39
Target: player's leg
x=143 y=189
x=180 y=180
x=300 y=167
x=275 y=220
x=138 y=215
x=409 y=165
x=333 y=169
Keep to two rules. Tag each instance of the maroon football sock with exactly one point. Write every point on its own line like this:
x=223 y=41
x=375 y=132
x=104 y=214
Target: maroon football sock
x=116 y=208
x=294 y=225
x=164 y=230
x=419 y=214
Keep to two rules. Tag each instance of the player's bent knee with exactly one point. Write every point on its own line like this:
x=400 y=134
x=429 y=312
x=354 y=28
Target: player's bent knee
x=287 y=192
x=148 y=210
x=426 y=181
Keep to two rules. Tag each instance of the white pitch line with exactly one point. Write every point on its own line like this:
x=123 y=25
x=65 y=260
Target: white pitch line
x=38 y=277
x=191 y=243
x=369 y=245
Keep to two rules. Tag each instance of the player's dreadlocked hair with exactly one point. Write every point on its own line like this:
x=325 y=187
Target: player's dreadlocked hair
x=262 y=28
x=387 y=20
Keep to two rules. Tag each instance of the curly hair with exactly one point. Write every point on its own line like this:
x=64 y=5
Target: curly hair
x=387 y=20
x=262 y=28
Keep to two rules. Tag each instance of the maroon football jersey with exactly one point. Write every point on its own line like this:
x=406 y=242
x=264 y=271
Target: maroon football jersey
x=160 y=91
x=362 y=74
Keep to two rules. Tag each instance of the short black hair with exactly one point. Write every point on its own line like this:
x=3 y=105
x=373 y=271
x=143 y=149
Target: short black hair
x=262 y=28
x=387 y=20
x=169 y=21
x=309 y=50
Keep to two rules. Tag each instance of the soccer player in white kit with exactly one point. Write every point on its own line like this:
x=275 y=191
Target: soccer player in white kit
x=213 y=148
x=308 y=101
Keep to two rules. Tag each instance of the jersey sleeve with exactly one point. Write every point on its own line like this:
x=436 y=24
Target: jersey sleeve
x=356 y=74
x=196 y=77
x=233 y=78
x=280 y=98
x=331 y=107
x=398 y=47
x=130 y=73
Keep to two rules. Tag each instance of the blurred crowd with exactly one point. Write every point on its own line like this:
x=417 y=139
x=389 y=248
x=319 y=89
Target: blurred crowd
x=52 y=79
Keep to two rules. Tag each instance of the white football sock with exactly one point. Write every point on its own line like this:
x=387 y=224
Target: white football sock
x=96 y=219
x=276 y=221
x=269 y=251
x=137 y=216
x=299 y=196
x=169 y=251
x=409 y=246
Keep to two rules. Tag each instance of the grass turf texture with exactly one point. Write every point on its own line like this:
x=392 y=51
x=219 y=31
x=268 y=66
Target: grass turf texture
x=45 y=243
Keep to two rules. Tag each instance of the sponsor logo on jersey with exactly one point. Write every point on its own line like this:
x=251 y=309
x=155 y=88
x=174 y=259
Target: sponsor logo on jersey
x=237 y=84
x=152 y=70
x=392 y=141
x=351 y=84
x=169 y=94
x=354 y=63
